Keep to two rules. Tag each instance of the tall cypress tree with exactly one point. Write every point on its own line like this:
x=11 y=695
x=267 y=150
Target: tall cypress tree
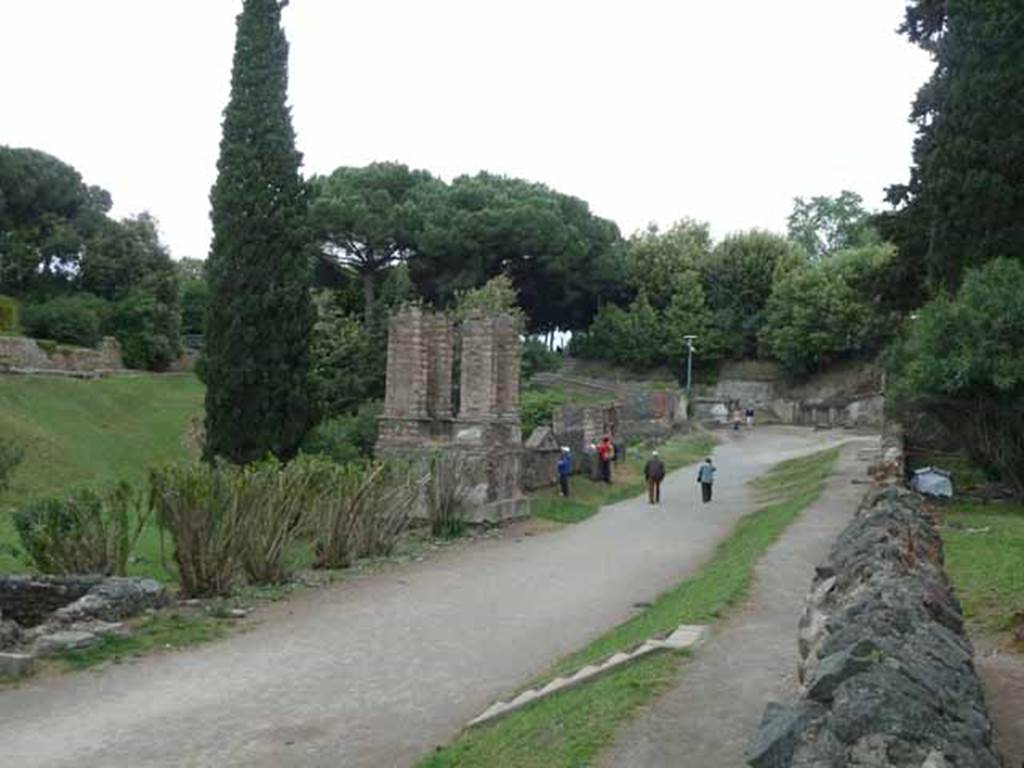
x=964 y=204
x=256 y=358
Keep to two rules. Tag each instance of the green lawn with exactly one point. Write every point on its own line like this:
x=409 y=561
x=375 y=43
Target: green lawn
x=84 y=433
x=986 y=567
x=569 y=729
x=588 y=496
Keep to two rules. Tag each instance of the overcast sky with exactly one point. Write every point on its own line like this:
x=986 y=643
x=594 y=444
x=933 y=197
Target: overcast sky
x=721 y=110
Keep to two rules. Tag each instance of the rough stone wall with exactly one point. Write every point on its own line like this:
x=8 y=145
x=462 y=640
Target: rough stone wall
x=886 y=668
x=22 y=355
x=29 y=600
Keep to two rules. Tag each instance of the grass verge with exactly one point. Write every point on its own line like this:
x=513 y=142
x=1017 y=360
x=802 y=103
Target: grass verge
x=987 y=566
x=152 y=634
x=568 y=729
x=83 y=433
x=588 y=496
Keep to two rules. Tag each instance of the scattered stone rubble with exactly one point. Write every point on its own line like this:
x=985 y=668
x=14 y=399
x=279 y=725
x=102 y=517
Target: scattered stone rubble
x=887 y=671
x=46 y=615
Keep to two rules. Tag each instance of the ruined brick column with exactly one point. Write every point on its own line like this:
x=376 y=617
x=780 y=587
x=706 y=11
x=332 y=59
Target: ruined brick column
x=417 y=403
x=487 y=429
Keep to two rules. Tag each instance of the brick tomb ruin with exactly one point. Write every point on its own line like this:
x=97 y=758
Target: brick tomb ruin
x=420 y=417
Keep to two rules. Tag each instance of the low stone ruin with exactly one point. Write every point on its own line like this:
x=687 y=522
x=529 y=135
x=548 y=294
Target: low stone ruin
x=44 y=615
x=886 y=668
x=27 y=356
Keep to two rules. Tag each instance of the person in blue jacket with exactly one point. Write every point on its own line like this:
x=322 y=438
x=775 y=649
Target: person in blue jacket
x=706 y=478
x=564 y=469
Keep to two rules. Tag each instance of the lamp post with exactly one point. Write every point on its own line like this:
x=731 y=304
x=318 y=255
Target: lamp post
x=689 y=361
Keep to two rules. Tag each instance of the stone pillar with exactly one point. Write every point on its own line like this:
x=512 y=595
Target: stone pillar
x=487 y=429
x=418 y=393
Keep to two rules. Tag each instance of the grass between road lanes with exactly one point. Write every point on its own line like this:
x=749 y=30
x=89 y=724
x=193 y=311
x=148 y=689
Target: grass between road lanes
x=568 y=729
x=987 y=566
x=588 y=496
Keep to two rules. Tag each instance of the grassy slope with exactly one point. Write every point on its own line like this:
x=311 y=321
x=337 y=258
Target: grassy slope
x=987 y=567
x=569 y=729
x=587 y=496
x=87 y=432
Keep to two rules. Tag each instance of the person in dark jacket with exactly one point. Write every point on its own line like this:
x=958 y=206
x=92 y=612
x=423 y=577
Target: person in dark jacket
x=564 y=470
x=706 y=478
x=654 y=473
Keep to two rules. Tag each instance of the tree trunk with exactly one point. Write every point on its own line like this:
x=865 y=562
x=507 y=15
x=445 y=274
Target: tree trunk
x=369 y=293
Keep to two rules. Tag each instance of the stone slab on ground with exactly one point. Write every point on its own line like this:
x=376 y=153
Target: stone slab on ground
x=16 y=665
x=749 y=660
x=59 y=642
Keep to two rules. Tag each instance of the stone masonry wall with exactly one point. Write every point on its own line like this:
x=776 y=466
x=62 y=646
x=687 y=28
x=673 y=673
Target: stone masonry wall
x=886 y=668
x=30 y=600
x=23 y=355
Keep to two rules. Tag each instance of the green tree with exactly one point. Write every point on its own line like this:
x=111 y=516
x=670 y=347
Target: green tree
x=633 y=337
x=654 y=258
x=47 y=213
x=562 y=259
x=963 y=362
x=830 y=310
x=260 y=316
x=823 y=225
x=964 y=202
x=738 y=279
x=194 y=294
x=367 y=218
x=495 y=297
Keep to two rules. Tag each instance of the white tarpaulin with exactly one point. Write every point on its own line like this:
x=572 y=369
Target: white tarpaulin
x=933 y=482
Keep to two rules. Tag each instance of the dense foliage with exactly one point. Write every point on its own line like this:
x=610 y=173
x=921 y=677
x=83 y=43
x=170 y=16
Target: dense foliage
x=80 y=274
x=823 y=225
x=260 y=316
x=962 y=362
x=964 y=202
x=823 y=312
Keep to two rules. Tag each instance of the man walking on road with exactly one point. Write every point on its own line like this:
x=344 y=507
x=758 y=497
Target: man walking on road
x=706 y=478
x=654 y=473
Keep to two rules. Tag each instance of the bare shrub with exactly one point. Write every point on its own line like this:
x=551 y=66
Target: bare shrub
x=448 y=494
x=83 y=532
x=363 y=510
x=197 y=505
x=274 y=502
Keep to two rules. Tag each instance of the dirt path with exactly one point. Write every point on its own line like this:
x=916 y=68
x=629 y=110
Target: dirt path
x=1002 y=673
x=750 y=659
x=377 y=672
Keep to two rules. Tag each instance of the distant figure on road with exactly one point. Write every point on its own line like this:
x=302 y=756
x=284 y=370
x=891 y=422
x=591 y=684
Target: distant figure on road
x=654 y=473
x=750 y=416
x=564 y=469
x=605 y=452
x=706 y=478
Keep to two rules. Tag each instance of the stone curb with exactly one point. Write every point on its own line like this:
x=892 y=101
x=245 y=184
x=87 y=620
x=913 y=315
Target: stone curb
x=685 y=636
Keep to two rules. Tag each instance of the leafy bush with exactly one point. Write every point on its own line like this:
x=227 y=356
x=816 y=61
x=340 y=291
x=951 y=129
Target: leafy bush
x=536 y=408
x=348 y=357
x=448 y=494
x=537 y=358
x=8 y=314
x=962 y=362
x=197 y=506
x=345 y=438
x=148 y=331
x=83 y=532
x=11 y=455
x=67 y=319
x=362 y=510
x=634 y=338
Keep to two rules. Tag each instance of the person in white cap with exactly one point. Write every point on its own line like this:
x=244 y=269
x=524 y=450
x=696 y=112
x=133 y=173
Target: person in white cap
x=654 y=473
x=564 y=469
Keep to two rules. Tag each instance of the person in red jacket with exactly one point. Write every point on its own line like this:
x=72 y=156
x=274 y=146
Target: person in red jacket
x=605 y=452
